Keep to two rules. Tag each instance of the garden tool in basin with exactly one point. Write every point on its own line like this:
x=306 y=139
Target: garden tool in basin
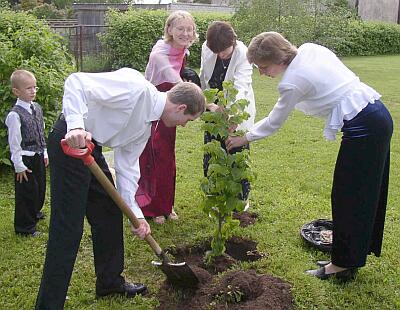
x=178 y=274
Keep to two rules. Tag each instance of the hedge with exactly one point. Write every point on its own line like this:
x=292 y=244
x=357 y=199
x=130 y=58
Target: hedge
x=28 y=43
x=131 y=35
x=334 y=25
x=370 y=38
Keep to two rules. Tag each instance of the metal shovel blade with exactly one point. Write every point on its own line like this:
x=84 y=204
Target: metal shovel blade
x=178 y=274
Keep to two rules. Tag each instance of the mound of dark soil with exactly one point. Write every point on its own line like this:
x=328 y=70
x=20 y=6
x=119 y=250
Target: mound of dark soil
x=245 y=218
x=233 y=290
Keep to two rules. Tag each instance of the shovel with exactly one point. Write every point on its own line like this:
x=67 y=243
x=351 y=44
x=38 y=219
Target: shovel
x=178 y=274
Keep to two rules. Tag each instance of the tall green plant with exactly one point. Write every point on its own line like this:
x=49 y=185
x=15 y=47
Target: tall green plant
x=222 y=186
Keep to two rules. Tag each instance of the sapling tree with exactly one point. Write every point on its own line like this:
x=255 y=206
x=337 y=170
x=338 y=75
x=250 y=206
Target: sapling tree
x=222 y=186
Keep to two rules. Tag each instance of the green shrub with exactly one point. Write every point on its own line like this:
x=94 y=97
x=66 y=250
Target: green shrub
x=330 y=23
x=28 y=43
x=287 y=17
x=369 y=38
x=28 y=4
x=48 y=11
x=4 y=4
x=96 y=63
x=131 y=35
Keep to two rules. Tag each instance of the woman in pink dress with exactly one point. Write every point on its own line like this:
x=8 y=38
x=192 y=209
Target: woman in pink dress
x=157 y=162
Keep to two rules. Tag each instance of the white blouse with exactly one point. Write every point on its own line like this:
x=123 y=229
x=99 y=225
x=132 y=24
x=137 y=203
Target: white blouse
x=317 y=83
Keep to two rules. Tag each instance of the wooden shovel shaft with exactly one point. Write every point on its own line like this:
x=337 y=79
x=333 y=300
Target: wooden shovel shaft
x=110 y=189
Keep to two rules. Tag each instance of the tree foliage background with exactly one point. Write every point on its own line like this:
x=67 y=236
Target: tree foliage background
x=332 y=23
x=28 y=43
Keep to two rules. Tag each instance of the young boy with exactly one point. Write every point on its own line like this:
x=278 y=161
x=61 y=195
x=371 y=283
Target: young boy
x=28 y=153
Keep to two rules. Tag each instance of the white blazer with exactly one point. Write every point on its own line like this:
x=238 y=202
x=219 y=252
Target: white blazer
x=239 y=71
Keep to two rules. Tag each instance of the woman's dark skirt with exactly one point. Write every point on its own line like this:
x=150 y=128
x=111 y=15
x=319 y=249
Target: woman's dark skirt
x=360 y=186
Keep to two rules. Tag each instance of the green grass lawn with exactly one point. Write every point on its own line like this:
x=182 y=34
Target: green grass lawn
x=294 y=169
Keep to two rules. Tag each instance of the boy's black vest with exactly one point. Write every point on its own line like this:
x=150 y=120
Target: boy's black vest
x=31 y=128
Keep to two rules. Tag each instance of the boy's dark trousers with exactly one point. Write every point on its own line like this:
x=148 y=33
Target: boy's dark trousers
x=75 y=193
x=29 y=195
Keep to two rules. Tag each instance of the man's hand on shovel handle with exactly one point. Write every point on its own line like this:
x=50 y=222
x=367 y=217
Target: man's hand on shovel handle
x=143 y=230
x=78 y=138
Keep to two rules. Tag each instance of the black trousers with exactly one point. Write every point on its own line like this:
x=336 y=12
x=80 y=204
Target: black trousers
x=30 y=195
x=360 y=186
x=74 y=194
x=206 y=159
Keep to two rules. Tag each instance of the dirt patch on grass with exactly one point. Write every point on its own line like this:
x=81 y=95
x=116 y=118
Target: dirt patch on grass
x=245 y=218
x=220 y=288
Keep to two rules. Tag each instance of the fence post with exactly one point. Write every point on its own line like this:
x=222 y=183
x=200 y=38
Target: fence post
x=81 y=46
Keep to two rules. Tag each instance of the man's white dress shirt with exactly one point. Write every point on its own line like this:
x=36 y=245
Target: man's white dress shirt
x=117 y=108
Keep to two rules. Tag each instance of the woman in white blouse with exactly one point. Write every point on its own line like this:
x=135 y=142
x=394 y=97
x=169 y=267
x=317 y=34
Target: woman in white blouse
x=317 y=83
x=223 y=58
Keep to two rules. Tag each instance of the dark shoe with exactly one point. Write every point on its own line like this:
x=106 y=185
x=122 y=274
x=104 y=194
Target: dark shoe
x=126 y=289
x=322 y=263
x=40 y=215
x=344 y=275
x=33 y=234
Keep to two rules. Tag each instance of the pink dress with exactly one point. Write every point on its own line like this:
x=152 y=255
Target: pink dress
x=157 y=162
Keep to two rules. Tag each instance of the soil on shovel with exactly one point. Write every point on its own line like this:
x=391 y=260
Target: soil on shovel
x=236 y=289
x=245 y=218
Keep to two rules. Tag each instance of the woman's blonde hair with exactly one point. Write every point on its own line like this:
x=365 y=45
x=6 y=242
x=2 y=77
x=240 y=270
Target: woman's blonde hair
x=173 y=18
x=271 y=47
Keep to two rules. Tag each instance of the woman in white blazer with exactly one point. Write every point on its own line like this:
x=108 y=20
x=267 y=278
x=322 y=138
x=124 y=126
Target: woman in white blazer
x=223 y=58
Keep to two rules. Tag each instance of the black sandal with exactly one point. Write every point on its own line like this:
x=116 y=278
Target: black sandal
x=344 y=275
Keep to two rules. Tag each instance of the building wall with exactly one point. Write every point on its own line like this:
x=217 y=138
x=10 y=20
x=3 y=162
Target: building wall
x=378 y=10
x=383 y=10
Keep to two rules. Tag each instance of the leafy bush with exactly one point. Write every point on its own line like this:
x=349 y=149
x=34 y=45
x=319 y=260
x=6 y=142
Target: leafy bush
x=287 y=17
x=330 y=23
x=28 y=43
x=48 y=11
x=131 y=35
x=4 y=4
x=368 y=38
x=28 y=4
